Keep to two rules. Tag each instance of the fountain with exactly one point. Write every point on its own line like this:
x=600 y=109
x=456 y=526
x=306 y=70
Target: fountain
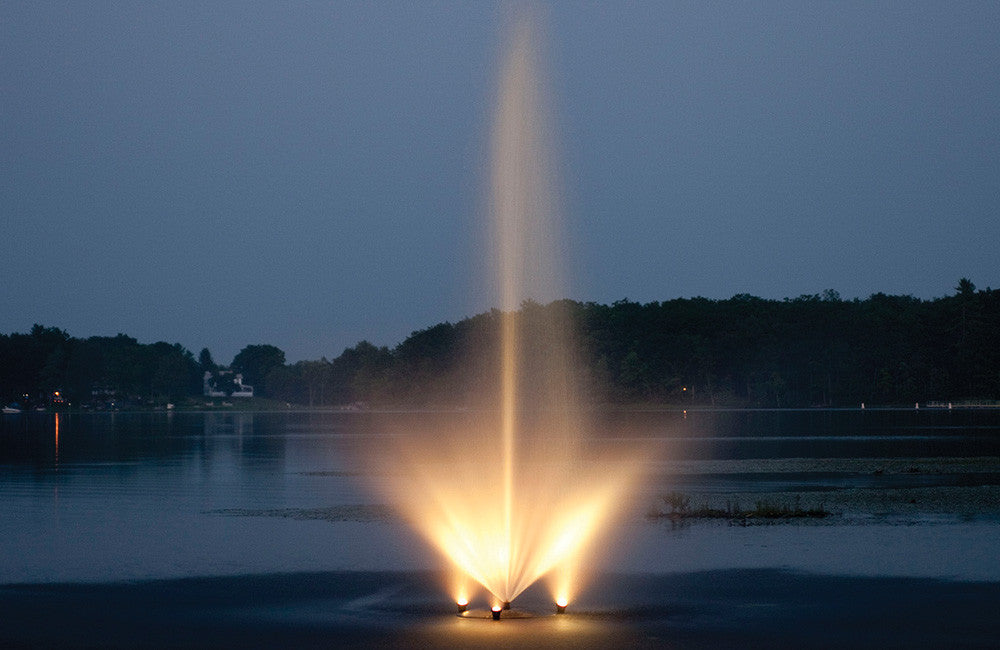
x=508 y=492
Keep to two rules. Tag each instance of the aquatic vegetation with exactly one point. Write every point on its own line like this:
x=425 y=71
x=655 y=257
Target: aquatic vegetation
x=679 y=503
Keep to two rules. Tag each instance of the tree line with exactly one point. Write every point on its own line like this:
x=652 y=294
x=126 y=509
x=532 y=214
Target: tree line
x=814 y=350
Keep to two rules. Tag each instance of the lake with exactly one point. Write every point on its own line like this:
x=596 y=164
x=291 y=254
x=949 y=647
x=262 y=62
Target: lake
x=105 y=497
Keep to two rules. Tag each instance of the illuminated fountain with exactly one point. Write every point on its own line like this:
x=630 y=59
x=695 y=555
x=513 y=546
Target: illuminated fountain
x=509 y=492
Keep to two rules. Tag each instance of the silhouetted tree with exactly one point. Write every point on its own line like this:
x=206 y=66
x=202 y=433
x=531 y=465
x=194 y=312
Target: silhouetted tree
x=816 y=349
x=205 y=362
x=254 y=362
x=315 y=377
x=224 y=382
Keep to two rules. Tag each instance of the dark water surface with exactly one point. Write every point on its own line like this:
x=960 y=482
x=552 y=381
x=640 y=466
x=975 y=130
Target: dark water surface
x=714 y=609
x=816 y=433
x=110 y=496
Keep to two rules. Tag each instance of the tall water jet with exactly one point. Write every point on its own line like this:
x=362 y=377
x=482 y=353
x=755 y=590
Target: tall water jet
x=520 y=206
x=509 y=492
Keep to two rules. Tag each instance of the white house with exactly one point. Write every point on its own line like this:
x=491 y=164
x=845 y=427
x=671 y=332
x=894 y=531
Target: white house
x=241 y=389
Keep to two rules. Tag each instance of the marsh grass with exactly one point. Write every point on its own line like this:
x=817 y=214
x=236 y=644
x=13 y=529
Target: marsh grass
x=679 y=509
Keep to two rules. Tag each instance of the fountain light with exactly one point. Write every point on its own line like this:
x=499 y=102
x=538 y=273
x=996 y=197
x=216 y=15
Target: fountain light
x=561 y=603
x=525 y=443
x=463 y=604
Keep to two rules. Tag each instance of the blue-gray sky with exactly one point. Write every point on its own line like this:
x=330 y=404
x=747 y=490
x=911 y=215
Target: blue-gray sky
x=313 y=174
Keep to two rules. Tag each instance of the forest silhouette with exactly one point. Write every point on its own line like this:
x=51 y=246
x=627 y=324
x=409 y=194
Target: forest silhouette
x=814 y=350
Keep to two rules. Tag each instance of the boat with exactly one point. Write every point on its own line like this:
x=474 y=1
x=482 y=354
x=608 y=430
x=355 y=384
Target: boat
x=12 y=408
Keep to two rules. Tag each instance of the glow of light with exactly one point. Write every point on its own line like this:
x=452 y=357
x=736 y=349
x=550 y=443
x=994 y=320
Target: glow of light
x=496 y=608
x=562 y=601
x=510 y=495
x=449 y=486
x=462 y=601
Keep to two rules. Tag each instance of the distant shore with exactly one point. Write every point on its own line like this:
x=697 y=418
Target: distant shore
x=264 y=405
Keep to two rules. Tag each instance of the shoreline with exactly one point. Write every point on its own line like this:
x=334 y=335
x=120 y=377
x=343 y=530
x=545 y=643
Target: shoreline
x=273 y=406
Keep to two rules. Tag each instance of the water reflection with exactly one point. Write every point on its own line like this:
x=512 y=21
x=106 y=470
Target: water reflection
x=262 y=441
x=122 y=495
x=57 y=439
x=815 y=433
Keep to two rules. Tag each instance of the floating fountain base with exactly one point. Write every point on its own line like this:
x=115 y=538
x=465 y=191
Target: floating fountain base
x=487 y=615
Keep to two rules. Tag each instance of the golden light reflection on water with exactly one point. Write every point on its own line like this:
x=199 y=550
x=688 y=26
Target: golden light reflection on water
x=534 y=632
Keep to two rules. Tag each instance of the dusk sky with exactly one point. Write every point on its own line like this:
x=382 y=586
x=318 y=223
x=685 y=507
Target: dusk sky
x=313 y=174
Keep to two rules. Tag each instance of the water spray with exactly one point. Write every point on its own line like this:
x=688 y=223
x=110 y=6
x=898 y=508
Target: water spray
x=551 y=496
